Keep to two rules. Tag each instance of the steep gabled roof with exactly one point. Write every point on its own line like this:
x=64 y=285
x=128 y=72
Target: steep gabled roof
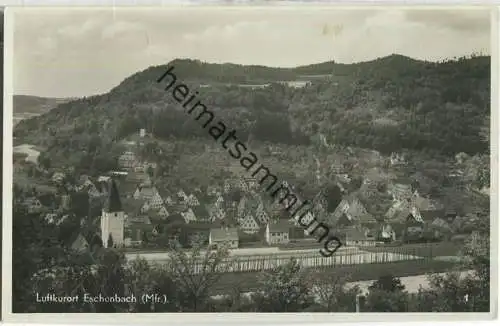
x=113 y=203
x=280 y=226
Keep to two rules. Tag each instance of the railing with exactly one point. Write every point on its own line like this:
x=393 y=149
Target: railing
x=348 y=256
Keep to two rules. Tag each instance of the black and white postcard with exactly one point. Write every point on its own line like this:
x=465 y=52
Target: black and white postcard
x=321 y=160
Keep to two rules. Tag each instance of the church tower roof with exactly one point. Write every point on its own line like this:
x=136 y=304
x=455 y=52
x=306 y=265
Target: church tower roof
x=113 y=203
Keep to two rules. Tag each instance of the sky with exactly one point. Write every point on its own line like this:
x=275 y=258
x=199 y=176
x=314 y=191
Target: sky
x=60 y=52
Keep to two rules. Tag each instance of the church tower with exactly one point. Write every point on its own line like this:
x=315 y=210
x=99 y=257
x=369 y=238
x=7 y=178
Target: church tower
x=112 y=218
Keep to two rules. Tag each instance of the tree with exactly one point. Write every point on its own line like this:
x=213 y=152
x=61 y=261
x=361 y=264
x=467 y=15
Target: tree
x=333 y=197
x=45 y=265
x=454 y=292
x=285 y=289
x=387 y=295
x=144 y=278
x=44 y=160
x=34 y=246
x=150 y=171
x=446 y=293
x=384 y=301
x=387 y=283
x=195 y=272
x=332 y=294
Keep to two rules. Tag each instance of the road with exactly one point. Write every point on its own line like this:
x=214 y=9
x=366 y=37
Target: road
x=411 y=283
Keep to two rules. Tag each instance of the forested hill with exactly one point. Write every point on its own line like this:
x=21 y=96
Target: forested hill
x=387 y=104
x=35 y=104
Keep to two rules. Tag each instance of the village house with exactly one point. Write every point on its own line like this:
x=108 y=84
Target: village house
x=79 y=244
x=261 y=215
x=306 y=219
x=337 y=167
x=163 y=212
x=278 y=233
x=145 y=192
x=85 y=241
x=413 y=225
x=219 y=200
x=440 y=227
x=398 y=211
x=178 y=207
x=192 y=200
x=103 y=178
x=137 y=219
x=33 y=205
x=65 y=202
x=242 y=206
x=138 y=234
x=228 y=186
x=224 y=236
x=127 y=160
x=58 y=177
x=387 y=233
x=215 y=212
x=248 y=224
x=212 y=191
x=243 y=186
x=139 y=229
x=196 y=233
x=397 y=159
x=350 y=211
x=189 y=216
x=51 y=218
x=138 y=177
x=201 y=214
x=145 y=207
x=168 y=200
x=156 y=201
x=54 y=218
x=102 y=188
x=149 y=165
x=359 y=238
x=429 y=216
x=424 y=203
x=182 y=195
x=400 y=191
x=435 y=225
x=450 y=216
x=93 y=191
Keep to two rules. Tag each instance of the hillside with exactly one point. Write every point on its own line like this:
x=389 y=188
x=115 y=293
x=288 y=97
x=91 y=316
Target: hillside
x=34 y=104
x=388 y=104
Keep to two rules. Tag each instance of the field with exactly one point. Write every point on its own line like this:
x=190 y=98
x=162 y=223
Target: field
x=249 y=281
